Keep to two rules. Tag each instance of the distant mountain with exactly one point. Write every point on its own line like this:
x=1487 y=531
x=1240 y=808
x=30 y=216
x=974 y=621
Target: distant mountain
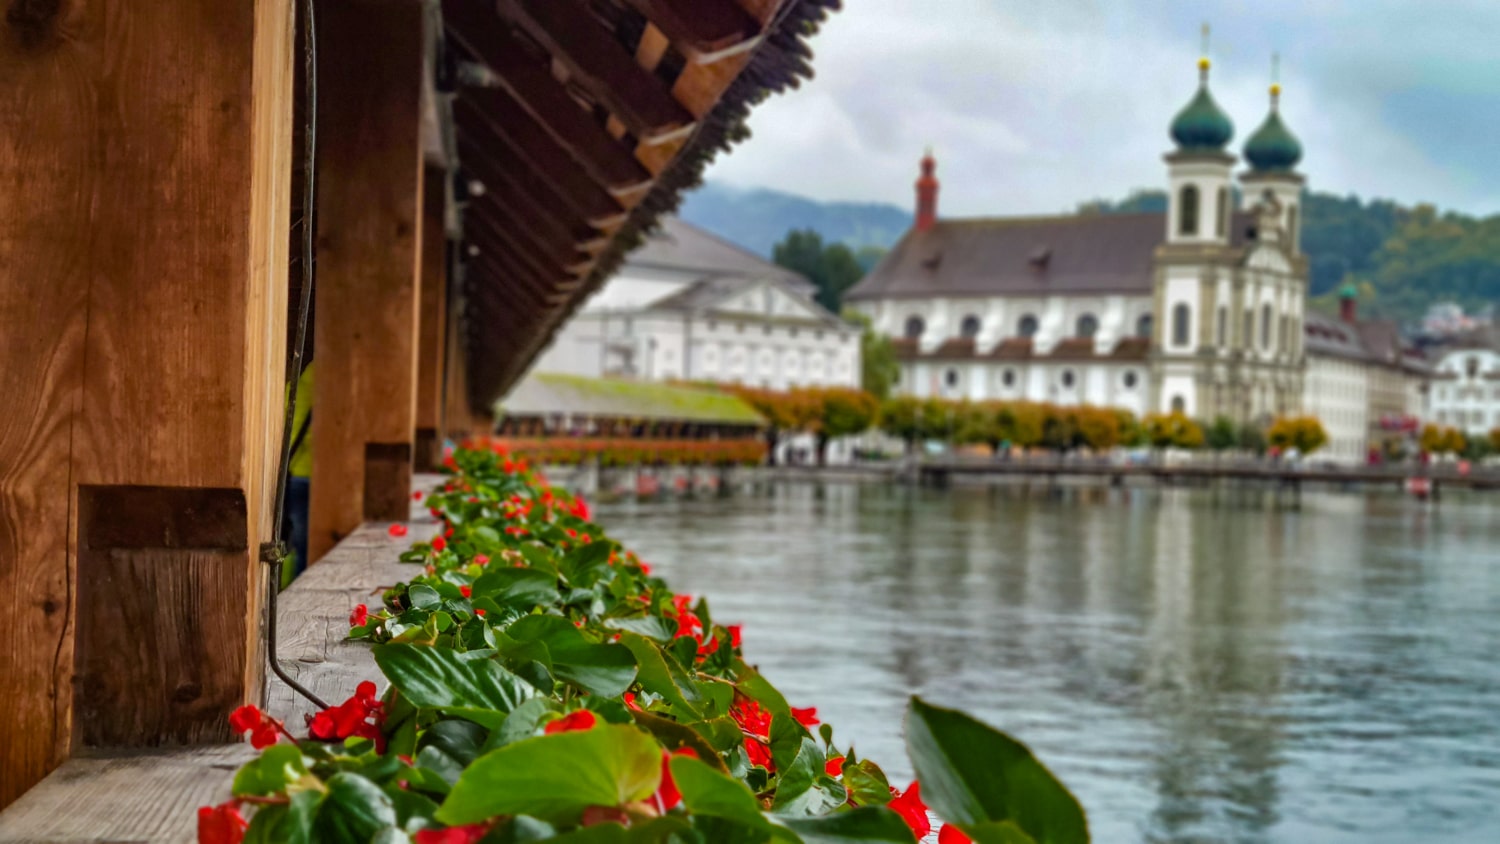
x=757 y=218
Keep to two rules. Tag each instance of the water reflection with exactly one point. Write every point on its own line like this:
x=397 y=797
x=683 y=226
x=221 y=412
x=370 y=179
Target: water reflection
x=1197 y=666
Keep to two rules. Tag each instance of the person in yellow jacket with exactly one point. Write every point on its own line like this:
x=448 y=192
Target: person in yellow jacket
x=299 y=471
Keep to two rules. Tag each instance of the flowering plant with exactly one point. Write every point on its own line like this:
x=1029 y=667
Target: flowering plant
x=626 y=451
x=545 y=686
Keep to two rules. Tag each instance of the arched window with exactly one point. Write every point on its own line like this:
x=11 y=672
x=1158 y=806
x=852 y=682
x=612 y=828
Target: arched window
x=1008 y=378
x=1221 y=223
x=1182 y=318
x=1248 y=334
x=1067 y=378
x=1291 y=228
x=951 y=378
x=1179 y=404
x=1129 y=380
x=969 y=327
x=1027 y=326
x=1143 y=326
x=1088 y=326
x=1221 y=334
x=1187 y=210
x=1265 y=326
x=914 y=328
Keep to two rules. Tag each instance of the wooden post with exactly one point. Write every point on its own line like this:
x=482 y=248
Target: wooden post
x=433 y=341
x=369 y=230
x=142 y=307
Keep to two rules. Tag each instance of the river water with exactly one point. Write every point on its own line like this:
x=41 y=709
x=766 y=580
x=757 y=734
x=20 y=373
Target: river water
x=1196 y=668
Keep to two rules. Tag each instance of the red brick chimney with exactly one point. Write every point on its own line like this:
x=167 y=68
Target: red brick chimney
x=927 y=194
x=1347 y=310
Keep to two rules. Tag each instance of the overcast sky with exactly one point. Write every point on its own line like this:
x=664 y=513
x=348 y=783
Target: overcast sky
x=1035 y=105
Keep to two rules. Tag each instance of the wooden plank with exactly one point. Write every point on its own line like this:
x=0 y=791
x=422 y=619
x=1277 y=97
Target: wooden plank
x=563 y=251
x=538 y=152
x=544 y=209
x=432 y=347
x=178 y=114
x=369 y=233
x=703 y=30
x=601 y=65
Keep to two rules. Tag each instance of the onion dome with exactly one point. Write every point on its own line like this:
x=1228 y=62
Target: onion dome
x=1273 y=148
x=1202 y=126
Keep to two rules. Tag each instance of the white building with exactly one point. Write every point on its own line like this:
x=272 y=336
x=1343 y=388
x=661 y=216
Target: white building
x=1466 y=390
x=1198 y=309
x=689 y=306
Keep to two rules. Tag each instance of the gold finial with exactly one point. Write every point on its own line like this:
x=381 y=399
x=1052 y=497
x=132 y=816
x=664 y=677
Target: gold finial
x=1203 y=62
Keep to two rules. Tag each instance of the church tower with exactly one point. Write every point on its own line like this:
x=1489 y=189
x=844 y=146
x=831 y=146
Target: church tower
x=1273 y=152
x=1194 y=266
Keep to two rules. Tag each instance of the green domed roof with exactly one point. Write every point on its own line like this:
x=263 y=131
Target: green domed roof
x=1273 y=148
x=1348 y=291
x=1202 y=126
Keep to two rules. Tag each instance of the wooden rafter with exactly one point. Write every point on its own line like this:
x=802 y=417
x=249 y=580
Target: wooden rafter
x=498 y=172
x=703 y=30
x=598 y=63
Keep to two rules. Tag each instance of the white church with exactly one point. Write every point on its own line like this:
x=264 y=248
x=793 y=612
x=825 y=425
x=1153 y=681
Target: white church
x=1199 y=309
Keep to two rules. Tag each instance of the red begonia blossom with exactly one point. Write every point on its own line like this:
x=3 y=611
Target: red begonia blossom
x=951 y=834
x=834 y=767
x=910 y=807
x=453 y=835
x=438 y=544
x=580 y=508
x=581 y=719
x=667 y=796
x=465 y=590
x=221 y=824
x=397 y=530
x=481 y=560
x=359 y=716
x=806 y=717
x=359 y=615
x=263 y=729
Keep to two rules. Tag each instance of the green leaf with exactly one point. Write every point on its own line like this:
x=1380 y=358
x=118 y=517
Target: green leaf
x=525 y=721
x=272 y=772
x=424 y=597
x=354 y=810
x=582 y=565
x=650 y=626
x=468 y=684
x=867 y=784
x=460 y=739
x=674 y=735
x=758 y=689
x=972 y=773
x=600 y=669
x=1003 y=832
x=519 y=588
x=709 y=793
x=868 y=823
x=804 y=788
x=556 y=777
x=289 y=824
x=661 y=674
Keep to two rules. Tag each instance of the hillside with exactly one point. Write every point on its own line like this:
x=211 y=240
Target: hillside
x=1403 y=257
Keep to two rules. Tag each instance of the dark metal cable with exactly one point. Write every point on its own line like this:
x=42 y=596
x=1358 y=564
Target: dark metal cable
x=274 y=553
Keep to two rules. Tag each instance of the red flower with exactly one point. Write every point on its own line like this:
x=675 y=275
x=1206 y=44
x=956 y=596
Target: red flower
x=752 y=718
x=581 y=719
x=453 y=834
x=359 y=716
x=263 y=729
x=759 y=754
x=480 y=613
x=580 y=508
x=416 y=496
x=436 y=513
x=629 y=698
x=912 y=810
x=221 y=824
x=645 y=567
x=397 y=530
x=806 y=717
x=834 y=766
x=359 y=615
x=951 y=834
x=465 y=590
x=734 y=634
x=481 y=560
x=438 y=544
x=667 y=794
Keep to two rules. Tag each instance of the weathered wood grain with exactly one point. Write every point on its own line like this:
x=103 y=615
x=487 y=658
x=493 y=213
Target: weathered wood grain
x=432 y=339
x=369 y=229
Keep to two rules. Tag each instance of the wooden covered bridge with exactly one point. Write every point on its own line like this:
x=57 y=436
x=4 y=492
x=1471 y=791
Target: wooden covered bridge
x=481 y=167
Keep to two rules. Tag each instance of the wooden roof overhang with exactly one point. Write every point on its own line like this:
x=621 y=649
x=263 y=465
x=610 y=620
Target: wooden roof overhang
x=575 y=124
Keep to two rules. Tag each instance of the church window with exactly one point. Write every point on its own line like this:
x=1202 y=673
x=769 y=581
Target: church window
x=914 y=327
x=1181 y=325
x=1130 y=380
x=951 y=378
x=1008 y=378
x=1249 y=327
x=1221 y=223
x=1223 y=327
x=1471 y=367
x=1027 y=326
x=1067 y=378
x=1265 y=326
x=1187 y=211
x=1291 y=228
x=969 y=328
x=1088 y=326
x=1285 y=338
x=1179 y=404
x=1143 y=326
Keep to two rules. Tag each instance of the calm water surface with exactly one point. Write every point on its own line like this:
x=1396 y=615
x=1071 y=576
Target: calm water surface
x=1195 y=669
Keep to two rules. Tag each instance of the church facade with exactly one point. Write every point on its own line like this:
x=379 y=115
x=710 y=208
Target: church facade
x=1198 y=309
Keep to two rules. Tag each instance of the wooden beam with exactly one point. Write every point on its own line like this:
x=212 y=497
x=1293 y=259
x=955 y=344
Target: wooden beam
x=541 y=154
x=704 y=30
x=544 y=207
x=433 y=321
x=492 y=242
x=545 y=243
x=145 y=210
x=494 y=164
x=369 y=234
x=601 y=65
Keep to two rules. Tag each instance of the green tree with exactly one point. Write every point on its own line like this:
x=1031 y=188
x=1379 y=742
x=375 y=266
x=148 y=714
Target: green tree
x=1251 y=438
x=1304 y=433
x=1221 y=435
x=1172 y=430
x=879 y=368
x=901 y=417
x=840 y=412
x=832 y=268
